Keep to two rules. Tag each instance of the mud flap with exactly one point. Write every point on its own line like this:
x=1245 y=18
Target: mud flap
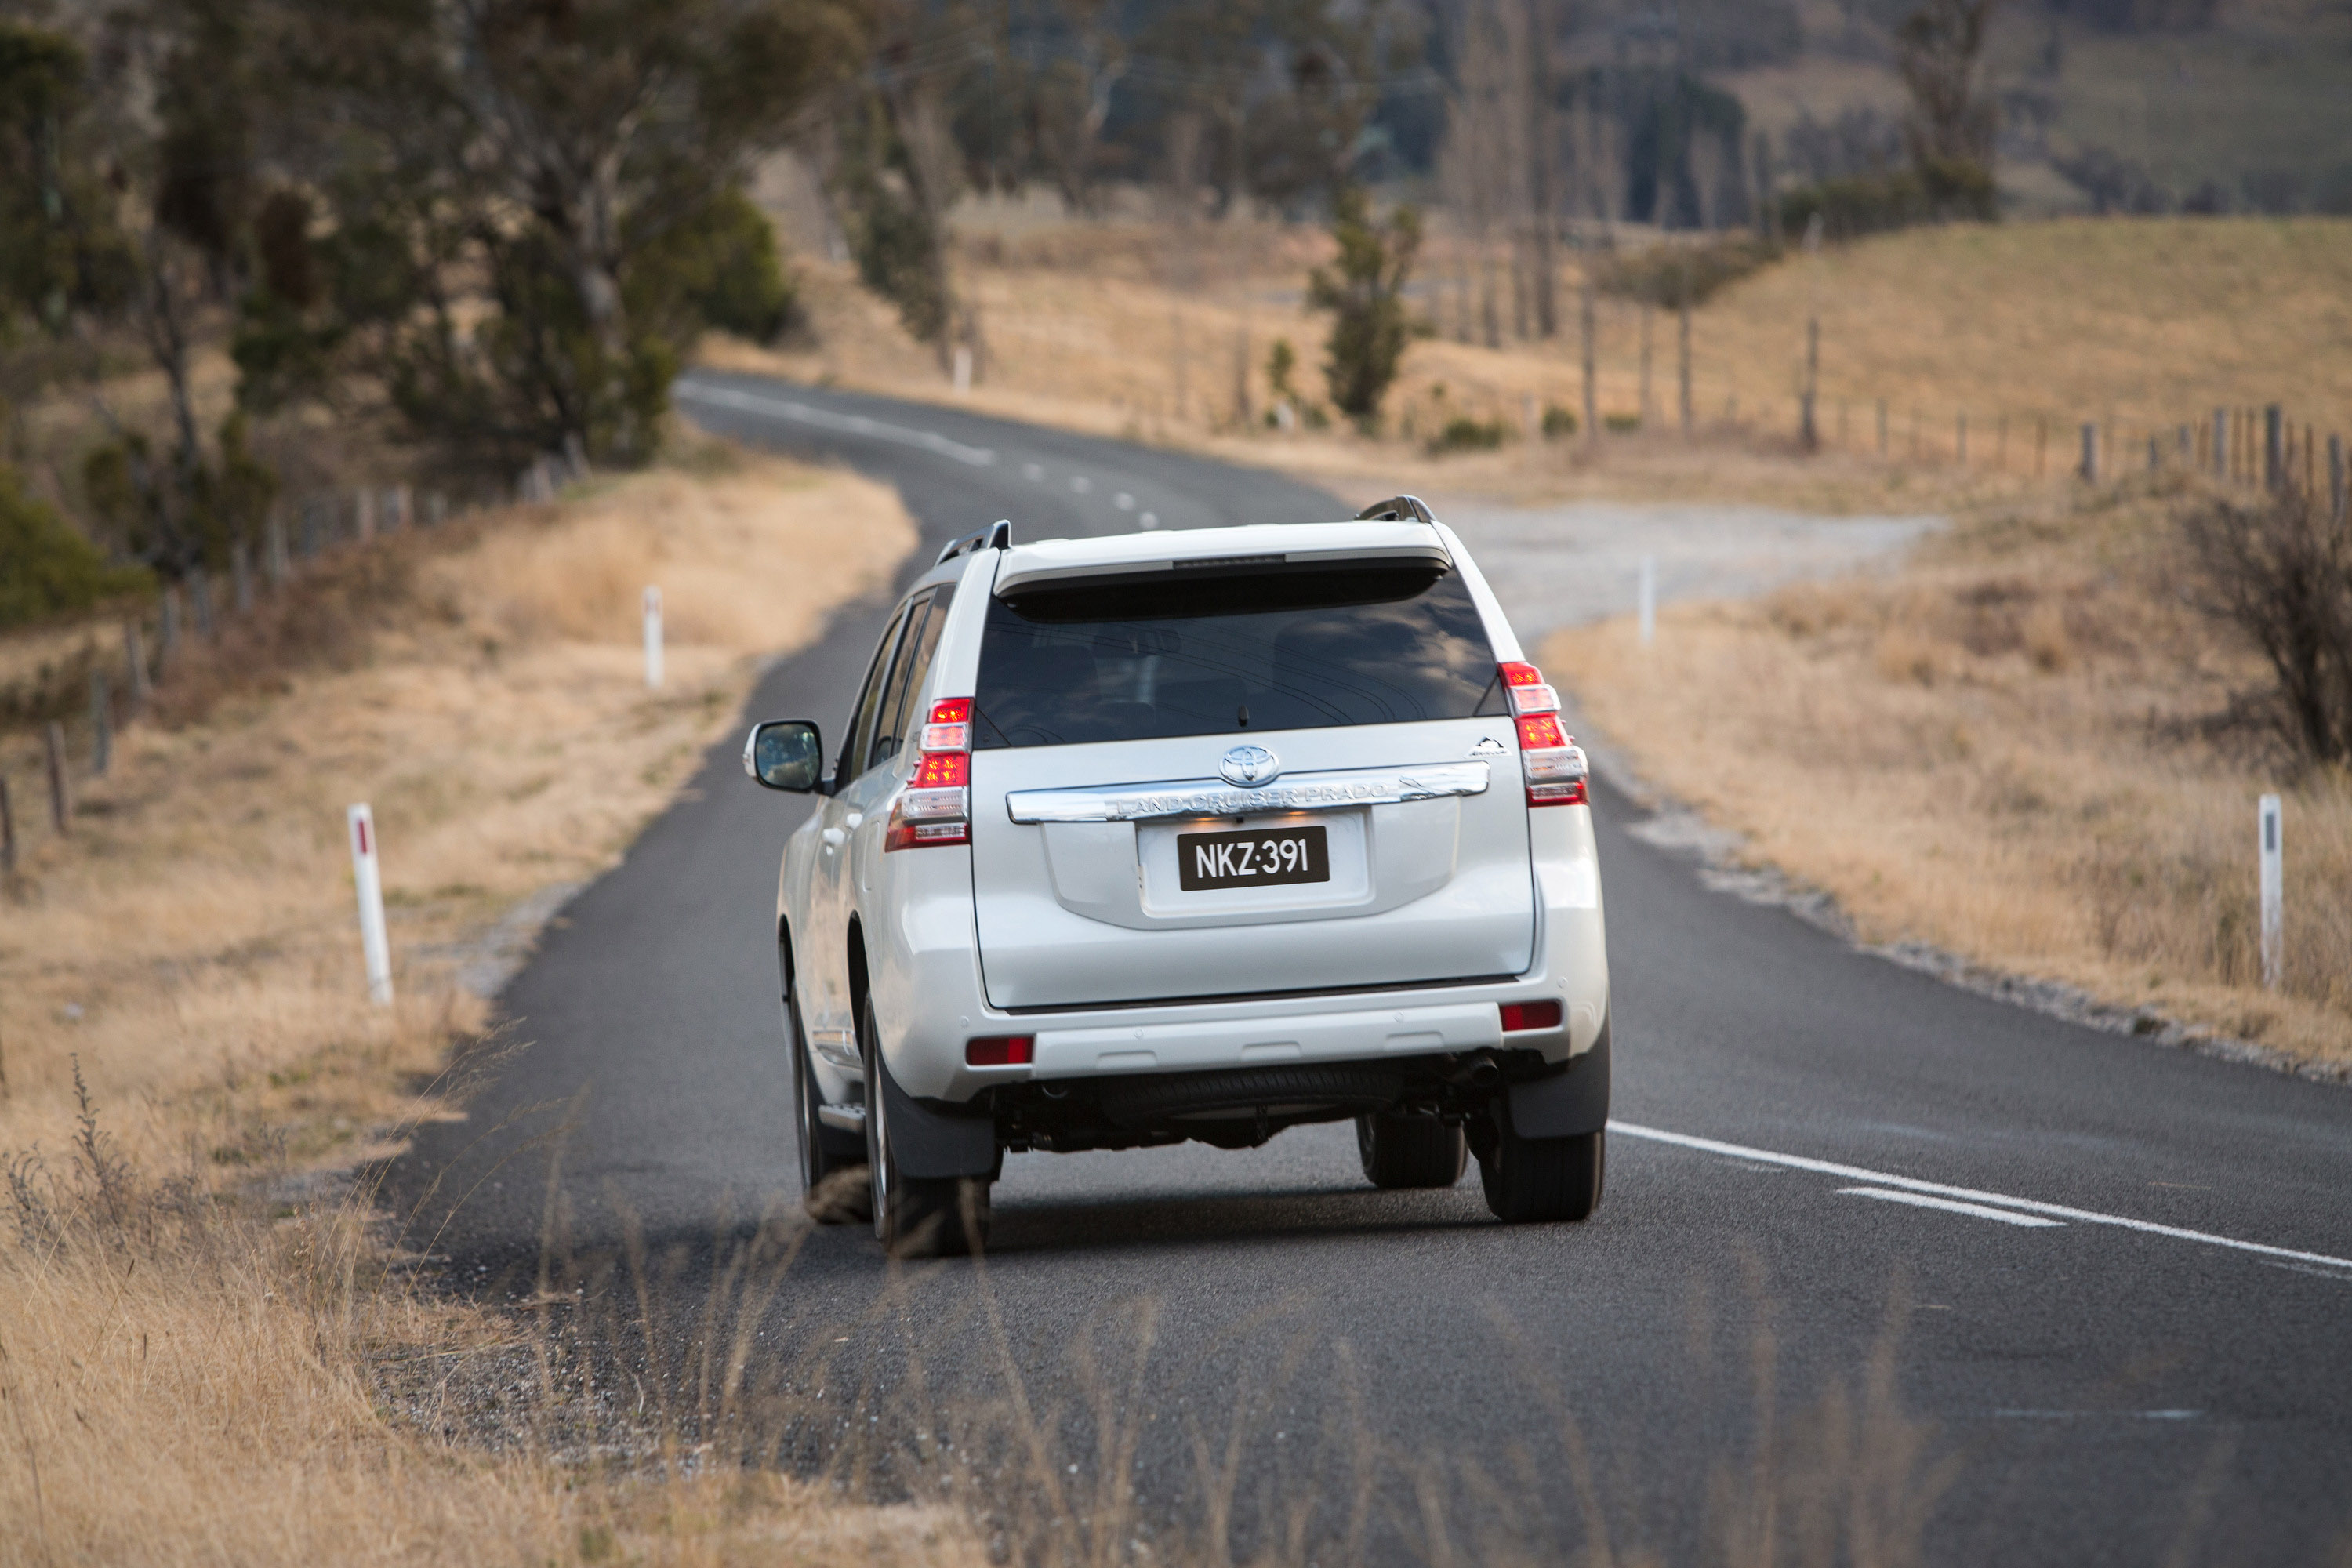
x=930 y=1142
x=1568 y=1103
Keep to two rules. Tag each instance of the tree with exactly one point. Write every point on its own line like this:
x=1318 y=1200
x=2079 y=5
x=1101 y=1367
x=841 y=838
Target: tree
x=1365 y=292
x=557 y=163
x=1952 y=126
x=2278 y=571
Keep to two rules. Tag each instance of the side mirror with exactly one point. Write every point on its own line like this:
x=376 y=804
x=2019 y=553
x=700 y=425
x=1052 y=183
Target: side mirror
x=785 y=753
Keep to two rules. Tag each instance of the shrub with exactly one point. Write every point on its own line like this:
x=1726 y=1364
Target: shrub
x=1558 y=422
x=1621 y=424
x=1673 y=276
x=1365 y=292
x=45 y=568
x=1464 y=433
x=722 y=267
x=2280 y=572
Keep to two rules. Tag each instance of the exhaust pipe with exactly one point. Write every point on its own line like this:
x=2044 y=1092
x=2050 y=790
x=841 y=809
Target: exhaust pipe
x=1481 y=1071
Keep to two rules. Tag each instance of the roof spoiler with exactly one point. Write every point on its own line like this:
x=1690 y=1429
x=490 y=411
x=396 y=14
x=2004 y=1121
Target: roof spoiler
x=997 y=535
x=1397 y=508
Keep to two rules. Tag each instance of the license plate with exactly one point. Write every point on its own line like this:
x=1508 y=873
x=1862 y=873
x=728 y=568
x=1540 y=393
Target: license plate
x=1267 y=857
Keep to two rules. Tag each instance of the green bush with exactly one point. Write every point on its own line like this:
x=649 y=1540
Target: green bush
x=45 y=568
x=1464 y=433
x=724 y=266
x=1621 y=424
x=1558 y=422
x=1942 y=189
x=1673 y=276
x=1365 y=293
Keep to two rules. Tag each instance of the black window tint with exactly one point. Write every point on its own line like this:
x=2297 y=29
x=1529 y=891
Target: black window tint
x=861 y=720
x=1296 y=649
x=902 y=716
x=884 y=745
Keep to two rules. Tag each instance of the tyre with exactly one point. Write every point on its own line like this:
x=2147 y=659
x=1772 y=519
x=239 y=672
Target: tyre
x=832 y=1163
x=913 y=1216
x=1405 y=1151
x=1541 y=1179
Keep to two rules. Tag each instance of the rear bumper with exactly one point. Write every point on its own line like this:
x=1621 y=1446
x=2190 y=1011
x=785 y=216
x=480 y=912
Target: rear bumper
x=930 y=998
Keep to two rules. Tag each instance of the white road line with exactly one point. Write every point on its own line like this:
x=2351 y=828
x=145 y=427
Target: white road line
x=1950 y=1206
x=1124 y=502
x=1148 y=520
x=1080 y=483
x=851 y=424
x=1913 y=1184
x=1033 y=471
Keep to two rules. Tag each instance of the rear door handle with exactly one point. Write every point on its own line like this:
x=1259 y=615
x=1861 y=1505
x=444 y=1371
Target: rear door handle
x=853 y=819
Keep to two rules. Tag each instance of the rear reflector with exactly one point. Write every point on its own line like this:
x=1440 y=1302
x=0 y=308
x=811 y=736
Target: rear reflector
x=1015 y=1050
x=1519 y=1015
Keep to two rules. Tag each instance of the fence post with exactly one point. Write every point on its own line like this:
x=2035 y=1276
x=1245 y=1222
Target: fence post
x=2336 y=478
x=135 y=657
x=200 y=599
x=2220 y=443
x=240 y=576
x=2090 y=464
x=7 y=830
x=1647 y=600
x=653 y=603
x=101 y=725
x=368 y=879
x=2274 y=893
x=2155 y=455
x=2273 y=448
x=1882 y=426
x=53 y=743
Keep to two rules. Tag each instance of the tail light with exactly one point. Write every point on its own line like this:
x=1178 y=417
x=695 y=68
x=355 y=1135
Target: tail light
x=1004 y=1050
x=936 y=805
x=1518 y=1015
x=1551 y=763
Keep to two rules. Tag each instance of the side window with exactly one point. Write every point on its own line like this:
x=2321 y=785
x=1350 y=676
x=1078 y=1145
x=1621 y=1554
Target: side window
x=882 y=744
x=900 y=715
x=861 y=721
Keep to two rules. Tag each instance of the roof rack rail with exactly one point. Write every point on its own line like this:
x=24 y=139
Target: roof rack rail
x=997 y=535
x=1397 y=508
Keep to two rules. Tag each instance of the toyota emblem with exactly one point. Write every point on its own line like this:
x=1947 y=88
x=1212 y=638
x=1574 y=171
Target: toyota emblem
x=1248 y=766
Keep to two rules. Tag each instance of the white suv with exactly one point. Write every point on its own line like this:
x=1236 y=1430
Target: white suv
x=1194 y=835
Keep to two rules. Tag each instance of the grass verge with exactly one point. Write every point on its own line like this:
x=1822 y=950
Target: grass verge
x=2000 y=751
x=198 y=1324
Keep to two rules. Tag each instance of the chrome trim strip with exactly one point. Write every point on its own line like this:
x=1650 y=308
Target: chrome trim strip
x=1209 y=797
x=847 y=1117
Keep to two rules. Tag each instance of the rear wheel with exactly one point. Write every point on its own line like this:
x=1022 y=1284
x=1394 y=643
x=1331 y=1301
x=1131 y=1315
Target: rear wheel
x=1405 y=1151
x=1538 y=1179
x=830 y=1189
x=913 y=1216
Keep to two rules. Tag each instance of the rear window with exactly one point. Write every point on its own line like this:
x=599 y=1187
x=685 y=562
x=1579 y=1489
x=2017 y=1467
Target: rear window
x=1143 y=659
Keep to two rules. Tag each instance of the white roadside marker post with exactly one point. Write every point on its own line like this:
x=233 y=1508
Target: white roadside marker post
x=369 y=880
x=1649 y=600
x=963 y=369
x=2273 y=895
x=653 y=640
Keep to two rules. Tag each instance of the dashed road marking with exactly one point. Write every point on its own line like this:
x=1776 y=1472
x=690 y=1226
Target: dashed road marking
x=1148 y=520
x=1971 y=1194
x=1949 y=1206
x=1080 y=483
x=1124 y=502
x=850 y=423
x=1033 y=471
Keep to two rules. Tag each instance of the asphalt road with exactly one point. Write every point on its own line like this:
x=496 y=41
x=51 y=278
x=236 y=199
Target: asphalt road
x=1883 y=1265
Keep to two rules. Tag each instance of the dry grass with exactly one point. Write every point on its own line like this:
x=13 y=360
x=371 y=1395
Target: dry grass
x=184 y=1384
x=1993 y=751
x=186 y=1378
x=192 y=940
x=1138 y=329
